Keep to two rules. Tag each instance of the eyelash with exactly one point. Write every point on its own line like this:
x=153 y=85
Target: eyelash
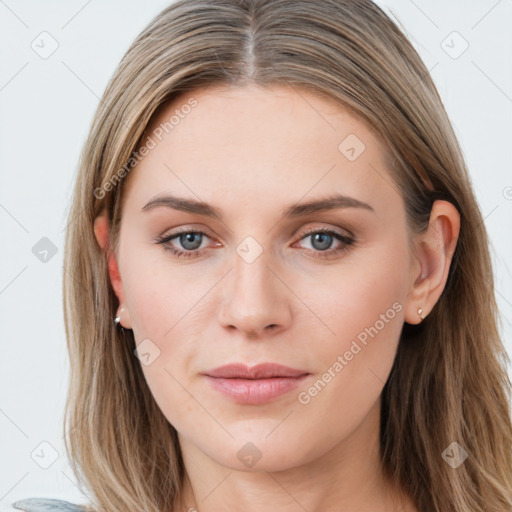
x=347 y=241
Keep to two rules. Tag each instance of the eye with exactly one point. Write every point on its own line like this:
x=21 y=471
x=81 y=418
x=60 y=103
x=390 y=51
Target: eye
x=322 y=240
x=189 y=240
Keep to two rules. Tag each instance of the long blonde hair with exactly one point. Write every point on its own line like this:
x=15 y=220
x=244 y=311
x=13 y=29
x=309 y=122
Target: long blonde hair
x=449 y=382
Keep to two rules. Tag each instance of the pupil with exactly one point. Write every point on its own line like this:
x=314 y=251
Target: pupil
x=321 y=238
x=188 y=238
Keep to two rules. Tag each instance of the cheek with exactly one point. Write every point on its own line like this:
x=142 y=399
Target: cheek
x=363 y=306
x=366 y=292
x=158 y=293
x=161 y=301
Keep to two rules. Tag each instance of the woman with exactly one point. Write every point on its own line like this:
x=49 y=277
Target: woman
x=278 y=288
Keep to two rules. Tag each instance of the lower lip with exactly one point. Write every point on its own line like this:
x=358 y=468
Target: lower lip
x=255 y=391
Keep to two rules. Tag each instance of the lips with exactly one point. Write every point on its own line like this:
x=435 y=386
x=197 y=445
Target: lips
x=255 y=385
x=260 y=371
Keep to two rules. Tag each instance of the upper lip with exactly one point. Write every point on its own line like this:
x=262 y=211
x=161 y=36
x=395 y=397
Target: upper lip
x=259 y=371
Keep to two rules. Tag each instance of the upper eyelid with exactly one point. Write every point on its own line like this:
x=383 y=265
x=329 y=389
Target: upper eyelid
x=188 y=229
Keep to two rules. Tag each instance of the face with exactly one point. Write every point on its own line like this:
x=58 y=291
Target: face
x=263 y=279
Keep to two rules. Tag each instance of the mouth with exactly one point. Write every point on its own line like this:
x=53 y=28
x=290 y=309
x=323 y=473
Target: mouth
x=254 y=385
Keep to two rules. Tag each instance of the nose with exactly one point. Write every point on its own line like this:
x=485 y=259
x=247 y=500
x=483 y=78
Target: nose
x=256 y=302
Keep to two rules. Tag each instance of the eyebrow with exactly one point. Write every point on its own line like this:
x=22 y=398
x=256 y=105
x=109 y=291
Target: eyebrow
x=331 y=202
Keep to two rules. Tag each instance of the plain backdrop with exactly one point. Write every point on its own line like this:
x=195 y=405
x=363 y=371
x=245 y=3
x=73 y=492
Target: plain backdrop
x=47 y=102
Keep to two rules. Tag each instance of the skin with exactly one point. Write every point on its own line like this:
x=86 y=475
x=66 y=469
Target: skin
x=251 y=152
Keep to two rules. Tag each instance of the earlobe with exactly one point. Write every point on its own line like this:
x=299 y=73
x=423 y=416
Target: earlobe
x=123 y=318
x=434 y=253
x=416 y=309
x=102 y=232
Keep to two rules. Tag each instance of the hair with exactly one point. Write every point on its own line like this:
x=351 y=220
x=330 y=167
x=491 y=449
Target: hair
x=449 y=381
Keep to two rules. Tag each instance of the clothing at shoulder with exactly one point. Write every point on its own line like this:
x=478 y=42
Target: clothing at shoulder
x=46 y=505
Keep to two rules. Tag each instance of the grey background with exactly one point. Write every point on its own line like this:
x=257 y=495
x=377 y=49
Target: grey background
x=46 y=107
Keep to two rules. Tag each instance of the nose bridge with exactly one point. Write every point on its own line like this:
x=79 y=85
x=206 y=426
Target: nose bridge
x=253 y=278
x=254 y=298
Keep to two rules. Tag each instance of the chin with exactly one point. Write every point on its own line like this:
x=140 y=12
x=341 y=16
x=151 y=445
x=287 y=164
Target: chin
x=253 y=449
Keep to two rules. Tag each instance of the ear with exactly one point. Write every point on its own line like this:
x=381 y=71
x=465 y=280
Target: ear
x=433 y=255
x=102 y=233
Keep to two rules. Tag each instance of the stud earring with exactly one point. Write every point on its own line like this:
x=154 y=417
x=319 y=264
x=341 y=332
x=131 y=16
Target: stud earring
x=117 y=319
x=420 y=313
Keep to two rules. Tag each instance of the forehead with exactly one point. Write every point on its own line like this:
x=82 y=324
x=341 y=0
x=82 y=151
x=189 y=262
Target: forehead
x=254 y=141
x=262 y=112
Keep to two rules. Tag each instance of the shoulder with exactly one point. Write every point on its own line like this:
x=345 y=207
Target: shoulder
x=47 y=505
